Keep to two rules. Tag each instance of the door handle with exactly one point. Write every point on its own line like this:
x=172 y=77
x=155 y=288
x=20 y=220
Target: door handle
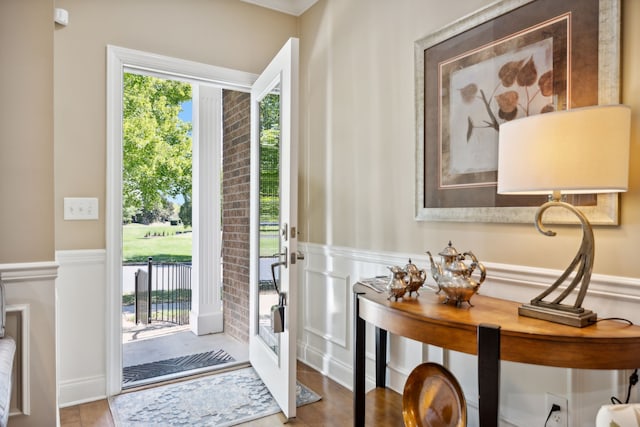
x=282 y=257
x=281 y=262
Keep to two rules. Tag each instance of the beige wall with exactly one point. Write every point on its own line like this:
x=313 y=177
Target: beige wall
x=26 y=131
x=26 y=189
x=358 y=141
x=226 y=33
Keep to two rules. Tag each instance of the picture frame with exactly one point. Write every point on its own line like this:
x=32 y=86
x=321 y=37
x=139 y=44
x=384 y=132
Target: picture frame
x=581 y=44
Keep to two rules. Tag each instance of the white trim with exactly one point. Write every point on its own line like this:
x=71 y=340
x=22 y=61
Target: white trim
x=113 y=217
x=28 y=271
x=81 y=390
x=81 y=256
x=181 y=69
x=25 y=350
x=614 y=287
x=119 y=59
x=291 y=7
x=337 y=370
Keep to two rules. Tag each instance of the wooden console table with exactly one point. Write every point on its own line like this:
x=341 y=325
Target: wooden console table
x=493 y=331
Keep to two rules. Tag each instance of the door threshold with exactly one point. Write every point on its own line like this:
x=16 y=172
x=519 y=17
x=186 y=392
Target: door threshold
x=183 y=376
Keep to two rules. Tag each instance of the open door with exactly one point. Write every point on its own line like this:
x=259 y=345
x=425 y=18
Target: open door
x=274 y=177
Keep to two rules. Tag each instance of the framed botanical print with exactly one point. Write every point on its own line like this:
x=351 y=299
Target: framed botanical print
x=513 y=59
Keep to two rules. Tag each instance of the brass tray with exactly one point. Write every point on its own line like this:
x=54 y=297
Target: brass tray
x=433 y=398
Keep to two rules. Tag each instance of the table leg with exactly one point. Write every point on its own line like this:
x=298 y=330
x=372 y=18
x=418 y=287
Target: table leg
x=488 y=374
x=358 y=365
x=381 y=357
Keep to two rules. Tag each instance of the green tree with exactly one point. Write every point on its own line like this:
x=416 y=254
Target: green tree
x=156 y=145
x=270 y=158
x=185 y=213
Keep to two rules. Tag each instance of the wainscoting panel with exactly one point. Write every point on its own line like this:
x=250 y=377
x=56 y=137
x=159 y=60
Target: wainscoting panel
x=324 y=337
x=326 y=306
x=18 y=327
x=81 y=326
x=31 y=318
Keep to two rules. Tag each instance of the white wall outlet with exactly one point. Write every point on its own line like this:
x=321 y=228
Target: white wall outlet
x=80 y=208
x=557 y=418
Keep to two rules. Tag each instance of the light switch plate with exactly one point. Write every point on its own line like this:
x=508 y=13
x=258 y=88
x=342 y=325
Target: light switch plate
x=80 y=208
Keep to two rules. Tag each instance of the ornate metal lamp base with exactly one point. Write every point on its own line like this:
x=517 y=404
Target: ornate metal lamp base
x=582 y=264
x=579 y=320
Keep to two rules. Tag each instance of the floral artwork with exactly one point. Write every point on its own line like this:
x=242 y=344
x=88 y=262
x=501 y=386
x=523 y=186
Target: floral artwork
x=507 y=61
x=517 y=76
x=516 y=84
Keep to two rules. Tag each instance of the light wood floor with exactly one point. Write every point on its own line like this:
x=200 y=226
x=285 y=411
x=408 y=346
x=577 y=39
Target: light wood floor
x=384 y=407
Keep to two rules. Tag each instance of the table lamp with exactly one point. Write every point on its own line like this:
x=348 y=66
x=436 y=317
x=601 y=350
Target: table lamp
x=577 y=151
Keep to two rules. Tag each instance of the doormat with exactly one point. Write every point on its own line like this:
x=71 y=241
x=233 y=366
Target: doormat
x=223 y=399
x=132 y=374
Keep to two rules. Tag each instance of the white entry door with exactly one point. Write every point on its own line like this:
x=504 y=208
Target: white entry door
x=274 y=177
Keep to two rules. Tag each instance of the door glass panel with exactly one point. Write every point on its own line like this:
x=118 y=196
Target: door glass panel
x=269 y=214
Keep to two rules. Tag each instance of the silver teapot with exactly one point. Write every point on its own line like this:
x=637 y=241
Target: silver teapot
x=453 y=275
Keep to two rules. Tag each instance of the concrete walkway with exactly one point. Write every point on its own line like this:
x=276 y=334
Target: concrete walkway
x=161 y=342
x=164 y=341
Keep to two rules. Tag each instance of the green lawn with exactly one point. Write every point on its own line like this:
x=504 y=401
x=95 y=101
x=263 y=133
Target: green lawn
x=269 y=243
x=162 y=242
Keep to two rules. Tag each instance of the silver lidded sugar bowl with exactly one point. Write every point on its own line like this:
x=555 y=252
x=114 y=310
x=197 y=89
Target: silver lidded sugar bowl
x=415 y=277
x=397 y=286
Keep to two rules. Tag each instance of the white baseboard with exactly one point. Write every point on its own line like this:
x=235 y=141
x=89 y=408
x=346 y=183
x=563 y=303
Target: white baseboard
x=335 y=369
x=81 y=390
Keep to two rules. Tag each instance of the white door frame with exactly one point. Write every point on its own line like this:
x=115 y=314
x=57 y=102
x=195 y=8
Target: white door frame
x=118 y=60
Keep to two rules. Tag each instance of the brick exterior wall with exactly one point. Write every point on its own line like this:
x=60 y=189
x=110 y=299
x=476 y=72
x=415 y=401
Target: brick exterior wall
x=236 y=151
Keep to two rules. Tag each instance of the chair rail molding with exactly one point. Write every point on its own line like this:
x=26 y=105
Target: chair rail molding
x=29 y=271
x=522 y=279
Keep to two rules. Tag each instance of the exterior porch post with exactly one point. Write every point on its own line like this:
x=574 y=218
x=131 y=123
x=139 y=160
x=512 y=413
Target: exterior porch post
x=206 y=304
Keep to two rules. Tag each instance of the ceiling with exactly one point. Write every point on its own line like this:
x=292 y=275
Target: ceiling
x=292 y=7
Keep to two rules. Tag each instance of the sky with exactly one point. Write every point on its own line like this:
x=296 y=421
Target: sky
x=185 y=114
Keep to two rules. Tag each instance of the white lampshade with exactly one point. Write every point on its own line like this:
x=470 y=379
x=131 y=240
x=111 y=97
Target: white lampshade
x=583 y=150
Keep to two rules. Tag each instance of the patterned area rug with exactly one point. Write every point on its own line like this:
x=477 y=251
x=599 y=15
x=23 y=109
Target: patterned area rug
x=224 y=399
x=131 y=374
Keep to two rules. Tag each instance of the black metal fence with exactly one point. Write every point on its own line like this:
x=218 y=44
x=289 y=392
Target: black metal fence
x=163 y=293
